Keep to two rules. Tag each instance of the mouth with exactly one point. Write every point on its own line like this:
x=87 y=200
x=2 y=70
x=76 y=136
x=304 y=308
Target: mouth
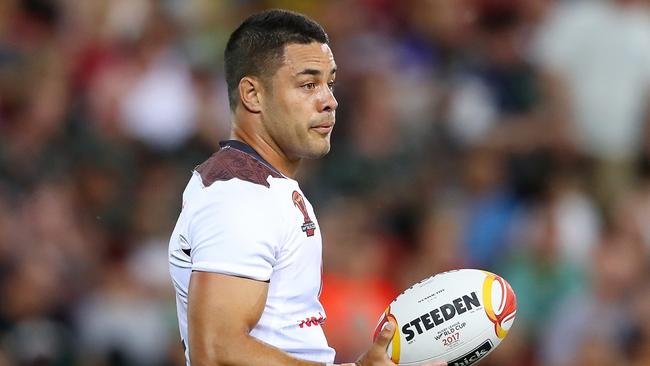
x=324 y=128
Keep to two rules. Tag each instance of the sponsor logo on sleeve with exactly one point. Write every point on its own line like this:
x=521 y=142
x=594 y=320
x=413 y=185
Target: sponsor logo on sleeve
x=312 y=321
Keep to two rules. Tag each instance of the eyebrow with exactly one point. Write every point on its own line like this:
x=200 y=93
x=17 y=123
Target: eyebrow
x=314 y=72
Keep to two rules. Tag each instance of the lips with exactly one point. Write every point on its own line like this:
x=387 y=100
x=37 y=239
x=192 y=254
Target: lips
x=323 y=128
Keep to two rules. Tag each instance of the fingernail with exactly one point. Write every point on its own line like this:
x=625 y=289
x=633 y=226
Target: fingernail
x=389 y=326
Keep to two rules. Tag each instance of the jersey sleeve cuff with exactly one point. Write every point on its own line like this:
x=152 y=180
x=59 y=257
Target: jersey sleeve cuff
x=238 y=271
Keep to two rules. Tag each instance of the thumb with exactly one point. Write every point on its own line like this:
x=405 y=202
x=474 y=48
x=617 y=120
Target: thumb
x=384 y=337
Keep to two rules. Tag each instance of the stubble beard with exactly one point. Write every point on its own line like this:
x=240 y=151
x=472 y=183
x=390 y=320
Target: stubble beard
x=322 y=150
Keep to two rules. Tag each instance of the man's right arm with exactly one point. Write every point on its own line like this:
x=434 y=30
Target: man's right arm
x=222 y=311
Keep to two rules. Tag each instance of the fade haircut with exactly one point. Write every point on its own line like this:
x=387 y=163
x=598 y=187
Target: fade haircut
x=256 y=47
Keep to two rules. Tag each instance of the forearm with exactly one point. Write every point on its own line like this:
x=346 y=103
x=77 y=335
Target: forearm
x=219 y=326
x=245 y=350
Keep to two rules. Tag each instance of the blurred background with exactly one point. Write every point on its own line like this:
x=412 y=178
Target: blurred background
x=507 y=135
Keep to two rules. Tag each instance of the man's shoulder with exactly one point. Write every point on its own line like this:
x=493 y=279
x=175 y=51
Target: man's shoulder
x=227 y=164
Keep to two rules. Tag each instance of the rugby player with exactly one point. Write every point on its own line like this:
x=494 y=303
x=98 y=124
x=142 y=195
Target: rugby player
x=245 y=255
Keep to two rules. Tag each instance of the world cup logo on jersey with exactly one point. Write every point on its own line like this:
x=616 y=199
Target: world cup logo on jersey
x=308 y=226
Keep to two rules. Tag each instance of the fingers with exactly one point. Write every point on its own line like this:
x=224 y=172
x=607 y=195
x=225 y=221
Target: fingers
x=385 y=336
x=376 y=355
x=434 y=363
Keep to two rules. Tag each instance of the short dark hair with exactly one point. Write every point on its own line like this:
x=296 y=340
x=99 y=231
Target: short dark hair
x=256 y=47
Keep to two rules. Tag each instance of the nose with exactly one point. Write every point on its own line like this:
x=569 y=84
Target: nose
x=328 y=101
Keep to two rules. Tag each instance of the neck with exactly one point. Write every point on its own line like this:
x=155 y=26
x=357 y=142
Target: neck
x=268 y=150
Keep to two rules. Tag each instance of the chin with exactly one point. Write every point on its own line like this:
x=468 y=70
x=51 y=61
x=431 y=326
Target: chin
x=317 y=152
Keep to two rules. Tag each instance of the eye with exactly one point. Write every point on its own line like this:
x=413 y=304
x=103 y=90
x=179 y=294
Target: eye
x=309 y=86
x=331 y=85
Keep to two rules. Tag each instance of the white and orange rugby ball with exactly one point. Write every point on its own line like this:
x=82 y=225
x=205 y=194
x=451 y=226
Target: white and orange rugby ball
x=458 y=316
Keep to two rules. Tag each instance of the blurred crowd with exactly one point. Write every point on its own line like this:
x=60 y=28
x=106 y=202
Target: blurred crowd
x=507 y=135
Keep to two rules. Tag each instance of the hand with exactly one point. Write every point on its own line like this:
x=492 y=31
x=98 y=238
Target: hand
x=377 y=356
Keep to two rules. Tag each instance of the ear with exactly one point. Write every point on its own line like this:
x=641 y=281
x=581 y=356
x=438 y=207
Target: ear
x=250 y=90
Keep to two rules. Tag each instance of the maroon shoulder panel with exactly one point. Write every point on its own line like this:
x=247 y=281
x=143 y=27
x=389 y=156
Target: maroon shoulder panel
x=229 y=163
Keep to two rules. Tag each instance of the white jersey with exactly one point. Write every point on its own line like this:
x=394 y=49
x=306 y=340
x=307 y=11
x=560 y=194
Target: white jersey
x=241 y=217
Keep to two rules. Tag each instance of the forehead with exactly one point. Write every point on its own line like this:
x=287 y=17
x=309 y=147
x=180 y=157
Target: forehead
x=298 y=57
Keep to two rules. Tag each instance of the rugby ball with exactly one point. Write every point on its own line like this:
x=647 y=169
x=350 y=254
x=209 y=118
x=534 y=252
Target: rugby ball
x=458 y=316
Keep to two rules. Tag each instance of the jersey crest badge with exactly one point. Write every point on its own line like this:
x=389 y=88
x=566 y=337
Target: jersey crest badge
x=308 y=226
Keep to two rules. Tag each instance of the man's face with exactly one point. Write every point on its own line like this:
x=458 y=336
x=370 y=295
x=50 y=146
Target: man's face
x=298 y=110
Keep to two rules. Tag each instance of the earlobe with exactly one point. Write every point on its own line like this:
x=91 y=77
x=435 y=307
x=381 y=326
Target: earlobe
x=249 y=94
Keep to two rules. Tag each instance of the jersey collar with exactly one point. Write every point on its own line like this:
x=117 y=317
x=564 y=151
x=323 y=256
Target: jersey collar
x=245 y=148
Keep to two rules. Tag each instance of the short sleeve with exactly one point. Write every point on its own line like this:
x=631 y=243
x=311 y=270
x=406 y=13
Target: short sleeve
x=554 y=43
x=231 y=236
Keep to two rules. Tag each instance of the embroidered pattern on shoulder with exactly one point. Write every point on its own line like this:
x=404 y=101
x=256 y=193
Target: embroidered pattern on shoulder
x=229 y=163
